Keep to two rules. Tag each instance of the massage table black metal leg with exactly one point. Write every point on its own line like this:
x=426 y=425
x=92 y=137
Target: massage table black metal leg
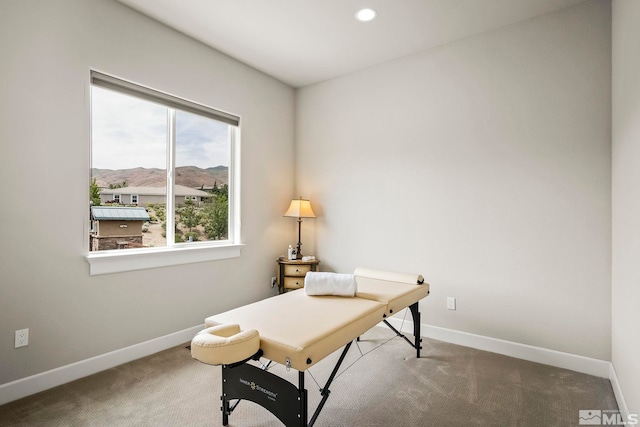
x=303 y=400
x=415 y=313
x=225 y=411
x=416 y=329
x=324 y=392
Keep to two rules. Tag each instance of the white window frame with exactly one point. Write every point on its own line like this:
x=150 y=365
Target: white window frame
x=117 y=198
x=114 y=261
x=136 y=198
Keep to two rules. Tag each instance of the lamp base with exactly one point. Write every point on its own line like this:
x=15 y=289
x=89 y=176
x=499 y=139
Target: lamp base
x=298 y=251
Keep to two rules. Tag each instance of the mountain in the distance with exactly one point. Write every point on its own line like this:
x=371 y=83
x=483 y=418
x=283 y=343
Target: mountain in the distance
x=189 y=176
x=195 y=177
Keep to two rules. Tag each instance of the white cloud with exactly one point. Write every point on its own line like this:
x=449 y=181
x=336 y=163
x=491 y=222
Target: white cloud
x=201 y=141
x=128 y=132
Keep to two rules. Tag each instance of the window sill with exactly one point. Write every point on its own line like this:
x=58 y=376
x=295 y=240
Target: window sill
x=140 y=259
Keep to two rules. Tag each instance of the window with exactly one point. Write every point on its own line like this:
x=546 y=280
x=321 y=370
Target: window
x=172 y=159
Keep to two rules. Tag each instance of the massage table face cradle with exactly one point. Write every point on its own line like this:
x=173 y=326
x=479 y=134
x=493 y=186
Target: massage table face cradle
x=288 y=402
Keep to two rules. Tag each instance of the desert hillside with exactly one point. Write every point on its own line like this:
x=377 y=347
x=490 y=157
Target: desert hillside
x=189 y=176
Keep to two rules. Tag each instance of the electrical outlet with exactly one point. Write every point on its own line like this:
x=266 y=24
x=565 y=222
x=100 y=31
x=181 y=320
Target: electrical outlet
x=273 y=282
x=22 y=338
x=451 y=303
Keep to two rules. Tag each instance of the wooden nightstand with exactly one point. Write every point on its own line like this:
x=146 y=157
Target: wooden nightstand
x=291 y=273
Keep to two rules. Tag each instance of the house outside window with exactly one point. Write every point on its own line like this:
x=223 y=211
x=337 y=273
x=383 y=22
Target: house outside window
x=175 y=158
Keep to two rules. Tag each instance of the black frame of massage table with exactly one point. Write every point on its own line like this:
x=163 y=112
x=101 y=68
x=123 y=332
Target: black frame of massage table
x=288 y=402
x=416 y=329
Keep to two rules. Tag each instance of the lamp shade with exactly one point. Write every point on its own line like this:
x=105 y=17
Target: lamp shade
x=300 y=208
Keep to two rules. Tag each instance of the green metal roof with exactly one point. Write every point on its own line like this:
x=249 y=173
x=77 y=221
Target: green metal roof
x=118 y=213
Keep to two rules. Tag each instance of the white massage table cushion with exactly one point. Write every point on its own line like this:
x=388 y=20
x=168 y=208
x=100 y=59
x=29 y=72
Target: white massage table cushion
x=225 y=344
x=397 y=290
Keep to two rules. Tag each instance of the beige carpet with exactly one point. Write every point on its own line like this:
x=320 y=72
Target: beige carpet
x=449 y=385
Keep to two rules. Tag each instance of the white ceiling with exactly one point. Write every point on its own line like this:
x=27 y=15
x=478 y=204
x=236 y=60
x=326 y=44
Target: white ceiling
x=302 y=42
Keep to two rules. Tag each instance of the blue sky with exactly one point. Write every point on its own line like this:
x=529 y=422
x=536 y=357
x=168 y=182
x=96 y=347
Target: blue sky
x=128 y=132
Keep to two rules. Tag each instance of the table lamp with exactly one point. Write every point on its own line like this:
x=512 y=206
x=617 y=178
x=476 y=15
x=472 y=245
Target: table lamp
x=300 y=208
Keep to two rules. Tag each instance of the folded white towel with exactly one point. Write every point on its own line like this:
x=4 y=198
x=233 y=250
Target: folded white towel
x=321 y=283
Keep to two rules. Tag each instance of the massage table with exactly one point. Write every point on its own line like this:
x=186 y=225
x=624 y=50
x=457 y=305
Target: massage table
x=298 y=330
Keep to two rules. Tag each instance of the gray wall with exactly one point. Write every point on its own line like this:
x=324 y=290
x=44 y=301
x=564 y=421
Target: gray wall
x=626 y=198
x=48 y=48
x=484 y=165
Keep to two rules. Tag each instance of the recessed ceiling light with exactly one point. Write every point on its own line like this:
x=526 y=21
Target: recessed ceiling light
x=365 y=15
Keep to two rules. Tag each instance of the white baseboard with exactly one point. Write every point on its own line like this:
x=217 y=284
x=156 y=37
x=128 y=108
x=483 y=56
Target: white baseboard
x=64 y=374
x=617 y=391
x=586 y=365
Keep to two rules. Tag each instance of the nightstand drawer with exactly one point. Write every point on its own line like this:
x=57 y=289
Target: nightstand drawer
x=291 y=273
x=296 y=270
x=293 y=282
